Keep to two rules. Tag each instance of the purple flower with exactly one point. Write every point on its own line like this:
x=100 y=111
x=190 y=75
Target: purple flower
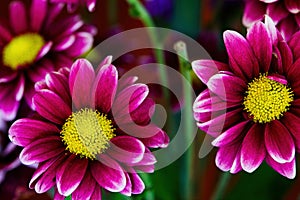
x=252 y=103
x=33 y=42
x=284 y=13
x=86 y=149
x=72 y=5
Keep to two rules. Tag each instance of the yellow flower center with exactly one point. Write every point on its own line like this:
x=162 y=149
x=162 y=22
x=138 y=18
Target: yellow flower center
x=266 y=99
x=87 y=133
x=22 y=50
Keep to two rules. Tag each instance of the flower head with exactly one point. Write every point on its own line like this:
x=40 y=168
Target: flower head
x=35 y=41
x=285 y=14
x=251 y=104
x=90 y=131
x=73 y=4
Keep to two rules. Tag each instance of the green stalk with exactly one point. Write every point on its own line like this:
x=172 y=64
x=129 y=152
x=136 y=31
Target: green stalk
x=185 y=69
x=139 y=10
x=221 y=186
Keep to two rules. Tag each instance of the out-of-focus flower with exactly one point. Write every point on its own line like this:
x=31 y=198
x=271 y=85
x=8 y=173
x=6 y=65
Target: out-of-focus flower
x=284 y=13
x=86 y=149
x=72 y=5
x=33 y=42
x=252 y=103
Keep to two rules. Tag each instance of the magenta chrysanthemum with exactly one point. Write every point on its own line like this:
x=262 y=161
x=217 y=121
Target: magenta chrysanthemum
x=284 y=13
x=252 y=103
x=100 y=143
x=73 y=4
x=34 y=42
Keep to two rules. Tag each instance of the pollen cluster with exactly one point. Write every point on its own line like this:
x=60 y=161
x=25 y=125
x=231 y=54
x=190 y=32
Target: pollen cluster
x=267 y=99
x=87 y=133
x=22 y=50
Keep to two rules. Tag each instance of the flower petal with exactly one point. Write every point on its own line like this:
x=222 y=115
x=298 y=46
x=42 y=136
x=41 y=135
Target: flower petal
x=51 y=106
x=254 y=11
x=126 y=149
x=293 y=6
x=70 y=174
x=277 y=11
x=41 y=150
x=205 y=69
x=83 y=42
x=241 y=58
x=138 y=185
x=105 y=87
x=290 y=121
x=253 y=150
x=262 y=51
x=38 y=12
x=24 y=131
x=108 y=174
x=226 y=156
x=231 y=135
x=81 y=78
x=85 y=188
x=128 y=188
x=227 y=86
x=279 y=142
x=286 y=169
x=18 y=18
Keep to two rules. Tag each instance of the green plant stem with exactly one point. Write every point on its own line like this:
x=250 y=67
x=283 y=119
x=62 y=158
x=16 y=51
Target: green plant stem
x=145 y=17
x=221 y=186
x=185 y=69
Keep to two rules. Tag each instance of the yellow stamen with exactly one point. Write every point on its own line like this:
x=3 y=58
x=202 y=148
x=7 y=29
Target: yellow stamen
x=266 y=99
x=22 y=50
x=87 y=133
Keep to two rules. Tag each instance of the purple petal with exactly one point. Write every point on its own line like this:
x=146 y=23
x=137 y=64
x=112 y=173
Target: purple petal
x=105 y=87
x=286 y=169
x=66 y=26
x=148 y=159
x=254 y=11
x=44 y=50
x=38 y=13
x=291 y=122
x=58 y=83
x=286 y=55
x=83 y=42
x=270 y=25
x=138 y=185
x=231 y=135
x=24 y=131
x=126 y=82
x=159 y=140
x=226 y=156
x=293 y=6
x=276 y=134
x=18 y=18
x=241 y=58
x=106 y=61
x=205 y=69
x=126 y=149
x=96 y=193
x=64 y=43
x=85 y=188
x=5 y=34
x=288 y=27
x=228 y=87
x=41 y=150
x=217 y=124
x=253 y=150
x=108 y=174
x=91 y=5
x=262 y=51
x=295 y=45
x=81 y=79
x=277 y=11
x=46 y=181
x=236 y=165
x=51 y=106
x=129 y=99
x=127 y=190
x=70 y=174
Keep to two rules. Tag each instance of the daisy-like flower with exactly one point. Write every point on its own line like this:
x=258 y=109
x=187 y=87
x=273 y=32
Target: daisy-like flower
x=252 y=103
x=72 y=5
x=285 y=14
x=86 y=149
x=33 y=42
